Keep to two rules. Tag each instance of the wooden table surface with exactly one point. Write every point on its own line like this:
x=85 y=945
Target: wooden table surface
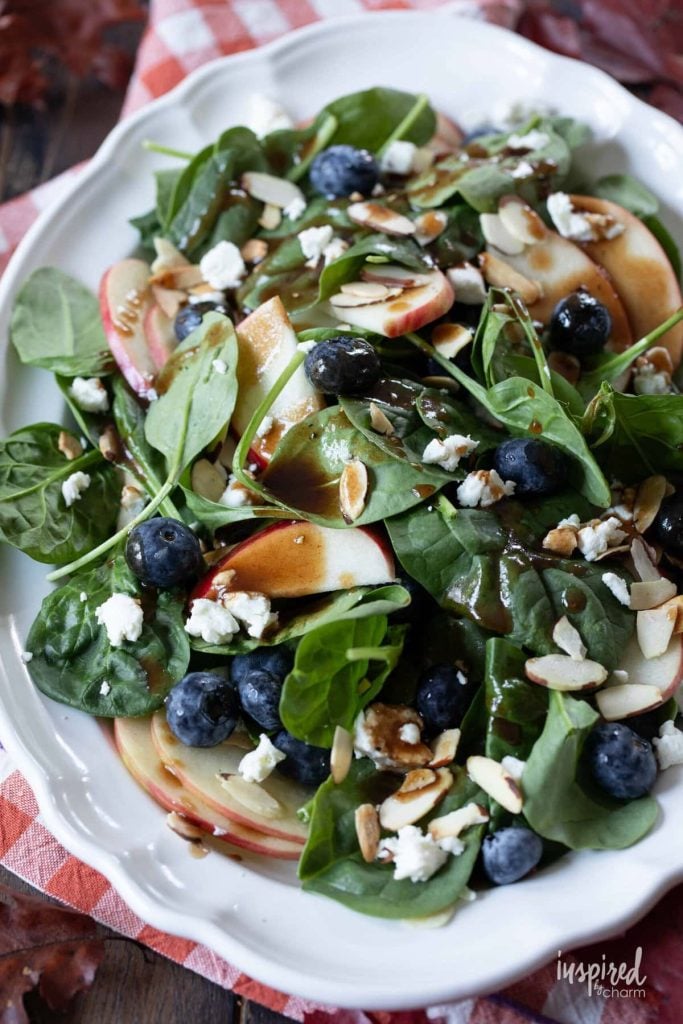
x=133 y=986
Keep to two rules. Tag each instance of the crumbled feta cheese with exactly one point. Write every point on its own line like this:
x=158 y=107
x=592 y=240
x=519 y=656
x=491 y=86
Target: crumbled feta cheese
x=313 y=242
x=334 y=249
x=223 y=266
x=523 y=170
x=415 y=855
x=73 y=487
x=26 y=656
x=449 y=452
x=617 y=586
x=122 y=617
x=514 y=766
x=531 y=140
x=196 y=298
x=265 y=115
x=570 y=521
x=295 y=208
x=219 y=366
x=83 y=597
x=669 y=745
x=211 y=621
x=594 y=541
x=265 y=426
x=257 y=765
x=451 y=844
x=235 y=494
x=398 y=157
x=577 y=226
x=461 y=678
x=647 y=380
x=483 y=487
x=89 y=394
x=409 y=733
x=105 y=688
x=468 y=284
x=252 y=610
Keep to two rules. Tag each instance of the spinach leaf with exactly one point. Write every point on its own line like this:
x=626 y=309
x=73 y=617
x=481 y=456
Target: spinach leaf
x=641 y=434
x=627 y=192
x=33 y=514
x=73 y=659
x=557 y=807
x=516 y=708
x=335 y=675
x=166 y=184
x=290 y=151
x=445 y=415
x=667 y=242
x=213 y=515
x=331 y=863
x=370 y=118
x=147 y=224
x=461 y=239
x=348 y=266
x=56 y=325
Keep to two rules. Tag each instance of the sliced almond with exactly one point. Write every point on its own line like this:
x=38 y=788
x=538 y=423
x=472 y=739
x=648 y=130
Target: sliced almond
x=648 y=500
x=429 y=225
x=252 y=796
x=254 y=250
x=367 y=831
x=565 y=364
x=643 y=562
x=617 y=702
x=497 y=234
x=397 y=811
x=444 y=748
x=659 y=358
x=379 y=421
x=271 y=190
x=380 y=218
x=167 y=255
x=110 y=444
x=568 y=639
x=223 y=580
x=418 y=778
x=651 y=594
x=270 y=218
x=366 y=289
x=177 y=278
x=353 y=488
x=490 y=776
x=183 y=828
x=677 y=603
x=69 y=446
x=379 y=737
x=345 y=300
x=654 y=629
x=449 y=339
x=393 y=275
x=206 y=480
x=502 y=275
x=520 y=221
x=561 y=541
x=169 y=299
x=451 y=825
x=560 y=672
x=341 y=754
x=227 y=452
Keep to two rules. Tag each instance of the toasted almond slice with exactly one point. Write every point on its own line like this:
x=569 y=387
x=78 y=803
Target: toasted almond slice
x=206 y=480
x=651 y=594
x=167 y=256
x=227 y=452
x=648 y=499
x=177 y=278
x=444 y=748
x=429 y=225
x=270 y=218
x=393 y=275
x=110 y=444
x=366 y=289
x=69 y=446
x=396 y=812
x=654 y=629
x=169 y=299
x=449 y=339
x=252 y=796
x=184 y=828
x=353 y=488
x=254 y=250
x=565 y=364
x=520 y=221
x=496 y=234
x=568 y=639
x=560 y=672
x=626 y=699
x=344 y=300
x=379 y=421
x=502 y=275
x=643 y=562
x=418 y=778
x=223 y=580
x=490 y=776
x=341 y=754
x=367 y=831
x=451 y=825
x=561 y=541
x=271 y=190
x=380 y=218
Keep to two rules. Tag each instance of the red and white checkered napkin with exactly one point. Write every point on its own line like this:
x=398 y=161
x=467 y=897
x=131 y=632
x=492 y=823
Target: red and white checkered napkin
x=182 y=35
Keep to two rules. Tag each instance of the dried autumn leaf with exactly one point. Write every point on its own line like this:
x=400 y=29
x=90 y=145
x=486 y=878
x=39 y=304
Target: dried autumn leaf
x=44 y=947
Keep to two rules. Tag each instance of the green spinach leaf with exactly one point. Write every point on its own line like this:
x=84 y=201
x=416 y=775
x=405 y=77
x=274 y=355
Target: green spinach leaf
x=348 y=266
x=368 y=119
x=516 y=708
x=638 y=434
x=627 y=192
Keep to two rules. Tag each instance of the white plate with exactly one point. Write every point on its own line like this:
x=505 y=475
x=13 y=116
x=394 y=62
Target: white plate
x=253 y=913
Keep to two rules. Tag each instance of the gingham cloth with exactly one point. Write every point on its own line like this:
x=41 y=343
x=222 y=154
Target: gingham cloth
x=182 y=35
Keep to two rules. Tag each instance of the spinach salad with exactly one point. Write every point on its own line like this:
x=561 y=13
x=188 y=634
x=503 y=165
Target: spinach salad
x=368 y=519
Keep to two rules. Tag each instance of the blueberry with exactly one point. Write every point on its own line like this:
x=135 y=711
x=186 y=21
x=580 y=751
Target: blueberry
x=443 y=696
x=418 y=601
x=580 y=324
x=190 y=317
x=510 y=853
x=305 y=763
x=163 y=553
x=668 y=524
x=343 y=365
x=535 y=466
x=277 y=661
x=202 y=709
x=621 y=762
x=259 y=677
x=341 y=170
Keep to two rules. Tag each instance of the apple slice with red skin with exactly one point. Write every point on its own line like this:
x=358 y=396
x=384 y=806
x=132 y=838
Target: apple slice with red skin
x=266 y=343
x=664 y=672
x=125 y=299
x=138 y=753
x=409 y=311
x=199 y=770
x=640 y=272
x=160 y=334
x=299 y=559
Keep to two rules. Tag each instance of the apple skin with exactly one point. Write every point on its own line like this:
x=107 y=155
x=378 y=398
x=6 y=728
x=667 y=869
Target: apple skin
x=276 y=562
x=160 y=335
x=664 y=672
x=125 y=299
x=407 y=312
x=134 y=744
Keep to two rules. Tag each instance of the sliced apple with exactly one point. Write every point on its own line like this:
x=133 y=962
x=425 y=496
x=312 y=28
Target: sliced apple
x=640 y=272
x=407 y=312
x=560 y=267
x=138 y=753
x=298 y=559
x=664 y=672
x=267 y=343
x=161 y=337
x=125 y=299
x=201 y=771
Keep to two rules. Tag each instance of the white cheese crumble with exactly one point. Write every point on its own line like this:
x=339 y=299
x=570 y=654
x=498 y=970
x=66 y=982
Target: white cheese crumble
x=449 y=452
x=483 y=487
x=409 y=733
x=514 y=766
x=617 y=586
x=83 y=597
x=257 y=765
x=223 y=266
x=199 y=297
x=364 y=746
x=313 y=242
x=647 y=380
x=105 y=688
x=219 y=366
x=594 y=541
x=669 y=745
x=73 y=487
x=571 y=521
x=235 y=494
x=523 y=170
x=334 y=249
x=398 y=157
x=26 y=656
x=265 y=115
x=468 y=284
x=415 y=855
x=577 y=226
x=211 y=621
x=531 y=140
x=89 y=394
x=252 y=610
x=122 y=617
x=295 y=207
